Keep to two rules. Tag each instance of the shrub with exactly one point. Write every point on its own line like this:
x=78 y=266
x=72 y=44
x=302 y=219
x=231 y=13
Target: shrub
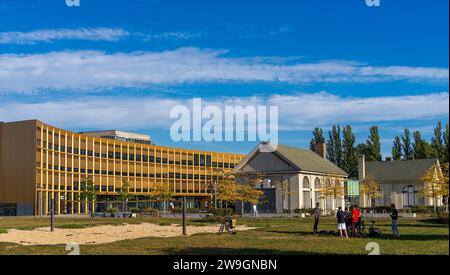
x=134 y=210
x=221 y=212
x=378 y=209
x=179 y=210
x=421 y=209
x=442 y=217
x=153 y=212
x=309 y=211
x=112 y=210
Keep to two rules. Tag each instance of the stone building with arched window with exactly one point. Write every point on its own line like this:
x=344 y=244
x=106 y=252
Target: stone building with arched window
x=295 y=176
x=399 y=181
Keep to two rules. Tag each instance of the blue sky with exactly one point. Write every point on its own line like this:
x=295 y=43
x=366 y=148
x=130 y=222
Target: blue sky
x=124 y=64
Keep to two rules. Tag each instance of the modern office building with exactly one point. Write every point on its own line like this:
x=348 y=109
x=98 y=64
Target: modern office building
x=39 y=162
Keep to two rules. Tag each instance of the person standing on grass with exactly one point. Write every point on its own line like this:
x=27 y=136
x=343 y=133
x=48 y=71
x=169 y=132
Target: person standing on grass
x=340 y=215
x=316 y=218
x=355 y=218
x=255 y=211
x=348 y=218
x=394 y=217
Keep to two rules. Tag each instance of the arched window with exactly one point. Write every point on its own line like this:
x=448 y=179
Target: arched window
x=317 y=183
x=328 y=183
x=305 y=182
x=409 y=196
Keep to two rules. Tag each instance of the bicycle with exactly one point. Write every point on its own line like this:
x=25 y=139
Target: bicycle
x=228 y=224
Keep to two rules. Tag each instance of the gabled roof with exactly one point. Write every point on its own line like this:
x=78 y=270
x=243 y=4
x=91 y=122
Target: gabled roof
x=399 y=170
x=303 y=160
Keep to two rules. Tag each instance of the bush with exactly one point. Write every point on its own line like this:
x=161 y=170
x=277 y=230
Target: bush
x=378 y=209
x=112 y=210
x=308 y=211
x=428 y=210
x=179 y=210
x=153 y=212
x=221 y=212
x=442 y=217
x=134 y=210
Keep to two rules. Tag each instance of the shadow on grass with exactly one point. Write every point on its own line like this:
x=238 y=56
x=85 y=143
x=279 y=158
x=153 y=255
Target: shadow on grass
x=235 y=251
x=406 y=237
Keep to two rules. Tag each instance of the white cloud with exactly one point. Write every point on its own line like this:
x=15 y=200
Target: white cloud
x=85 y=70
x=170 y=35
x=296 y=112
x=50 y=35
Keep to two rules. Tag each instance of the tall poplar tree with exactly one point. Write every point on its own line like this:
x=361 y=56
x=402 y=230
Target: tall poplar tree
x=349 y=153
x=422 y=149
x=334 y=145
x=446 y=155
x=437 y=143
x=374 y=145
x=317 y=138
x=397 y=148
x=408 y=152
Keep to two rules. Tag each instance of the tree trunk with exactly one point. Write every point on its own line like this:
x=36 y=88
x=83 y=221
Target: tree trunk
x=434 y=205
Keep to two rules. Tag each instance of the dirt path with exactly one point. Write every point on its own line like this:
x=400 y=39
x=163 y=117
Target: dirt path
x=101 y=234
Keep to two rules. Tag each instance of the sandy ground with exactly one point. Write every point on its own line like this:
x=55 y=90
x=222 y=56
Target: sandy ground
x=102 y=234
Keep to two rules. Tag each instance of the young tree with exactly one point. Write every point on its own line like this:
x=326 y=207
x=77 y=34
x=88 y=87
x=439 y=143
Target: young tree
x=434 y=185
x=422 y=149
x=88 y=192
x=334 y=145
x=350 y=155
x=397 y=148
x=374 y=145
x=437 y=143
x=124 y=194
x=163 y=192
x=333 y=189
x=317 y=138
x=369 y=187
x=407 y=149
x=446 y=143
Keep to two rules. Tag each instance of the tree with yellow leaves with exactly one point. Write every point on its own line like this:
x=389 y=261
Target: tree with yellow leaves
x=444 y=168
x=333 y=189
x=162 y=192
x=369 y=187
x=434 y=184
x=228 y=191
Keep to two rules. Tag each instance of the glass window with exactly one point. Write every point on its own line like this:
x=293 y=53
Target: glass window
x=305 y=182
x=317 y=184
x=202 y=160
x=196 y=159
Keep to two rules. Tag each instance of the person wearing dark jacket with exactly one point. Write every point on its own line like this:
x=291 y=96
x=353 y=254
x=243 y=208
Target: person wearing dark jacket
x=340 y=215
x=316 y=218
x=394 y=217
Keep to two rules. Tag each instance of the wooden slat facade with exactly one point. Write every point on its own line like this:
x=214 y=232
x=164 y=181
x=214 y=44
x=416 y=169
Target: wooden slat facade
x=39 y=161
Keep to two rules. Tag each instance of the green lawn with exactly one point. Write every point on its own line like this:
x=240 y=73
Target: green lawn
x=272 y=236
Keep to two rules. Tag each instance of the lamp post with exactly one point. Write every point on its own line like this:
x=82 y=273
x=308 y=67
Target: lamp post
x=52 y=214
x=184 y=215
x=215 y=194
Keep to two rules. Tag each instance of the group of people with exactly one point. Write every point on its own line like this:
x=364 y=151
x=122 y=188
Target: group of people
x=351 y=219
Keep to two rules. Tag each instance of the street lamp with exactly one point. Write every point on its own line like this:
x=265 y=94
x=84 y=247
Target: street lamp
x=215 y=194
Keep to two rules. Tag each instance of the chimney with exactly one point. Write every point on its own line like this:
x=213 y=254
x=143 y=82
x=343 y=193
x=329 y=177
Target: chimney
x=321 y=149
x=361 y=167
